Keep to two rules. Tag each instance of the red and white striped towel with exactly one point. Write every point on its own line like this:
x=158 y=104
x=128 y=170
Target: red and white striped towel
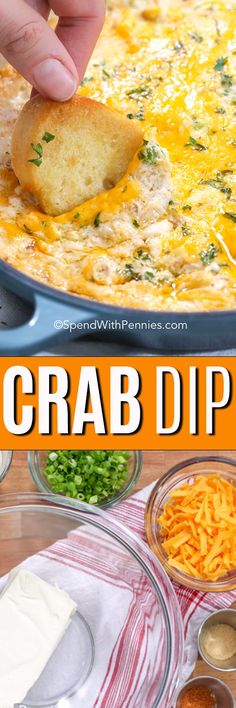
x=123 y=618
x=195 y=606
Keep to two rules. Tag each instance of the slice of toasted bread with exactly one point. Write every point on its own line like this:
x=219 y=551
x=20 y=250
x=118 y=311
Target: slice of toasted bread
x=66 y=153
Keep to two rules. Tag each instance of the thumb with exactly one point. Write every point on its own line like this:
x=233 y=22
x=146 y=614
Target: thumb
x=31 y=46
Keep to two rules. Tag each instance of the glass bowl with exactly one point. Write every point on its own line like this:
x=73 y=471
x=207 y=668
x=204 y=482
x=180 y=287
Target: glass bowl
x=128 y=624
x=186 y=472
x=37 y=460
x=5 y=463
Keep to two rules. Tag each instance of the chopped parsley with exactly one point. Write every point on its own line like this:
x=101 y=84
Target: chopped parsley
x=196 y=37
x=48 y=137
x=179 y=46
x=77 y=215
x=139 y=115
x=208 y=254
x=148 y=153
x=105 y=74
x=226 y=82
x=37 y=148
x=136 y=223
x=185 y=230
x=220 y=63
x=230 y=215
x=196 y=124
x=86 y=80
x=143 y=255
x=226 y=79
x=36 y=161
x=97 y=220
x=148 y=275
x=130 y=273
x=217 y=184
x=187 y=207
x=218 y=32
x=195 y=145
x=140 y=91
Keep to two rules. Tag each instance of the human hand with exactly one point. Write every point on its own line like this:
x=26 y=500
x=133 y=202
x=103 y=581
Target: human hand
x=53 y=62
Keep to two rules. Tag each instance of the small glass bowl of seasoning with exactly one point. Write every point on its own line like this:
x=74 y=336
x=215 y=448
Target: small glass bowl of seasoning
x=217 y=640
x=205 y=692
x=5 y=463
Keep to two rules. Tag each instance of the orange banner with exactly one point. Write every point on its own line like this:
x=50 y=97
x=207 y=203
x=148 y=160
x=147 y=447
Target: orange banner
x=118 y=402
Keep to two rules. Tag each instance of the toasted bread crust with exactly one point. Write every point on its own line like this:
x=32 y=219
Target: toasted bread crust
x=89 y=152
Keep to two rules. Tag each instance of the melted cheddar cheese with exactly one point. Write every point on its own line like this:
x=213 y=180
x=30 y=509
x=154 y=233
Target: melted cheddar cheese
x=165 y=236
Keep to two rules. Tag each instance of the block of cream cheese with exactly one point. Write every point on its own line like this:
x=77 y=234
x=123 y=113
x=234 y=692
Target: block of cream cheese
x=33 y=619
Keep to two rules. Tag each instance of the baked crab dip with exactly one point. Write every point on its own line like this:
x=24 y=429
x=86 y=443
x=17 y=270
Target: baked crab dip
x=164 y=238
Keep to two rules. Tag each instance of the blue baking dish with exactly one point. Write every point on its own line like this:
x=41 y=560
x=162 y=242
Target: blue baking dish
x=159 y=331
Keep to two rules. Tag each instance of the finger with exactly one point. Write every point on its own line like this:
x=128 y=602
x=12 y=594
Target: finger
x=79 y=27
x=41 y=6
x=31 y=46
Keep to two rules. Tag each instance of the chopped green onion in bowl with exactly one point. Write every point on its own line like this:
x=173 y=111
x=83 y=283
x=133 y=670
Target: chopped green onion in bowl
x=92 y=476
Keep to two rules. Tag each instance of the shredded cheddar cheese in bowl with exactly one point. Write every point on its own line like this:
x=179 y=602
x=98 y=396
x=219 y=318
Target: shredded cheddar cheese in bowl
x=198 y=528
x=164 y=237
